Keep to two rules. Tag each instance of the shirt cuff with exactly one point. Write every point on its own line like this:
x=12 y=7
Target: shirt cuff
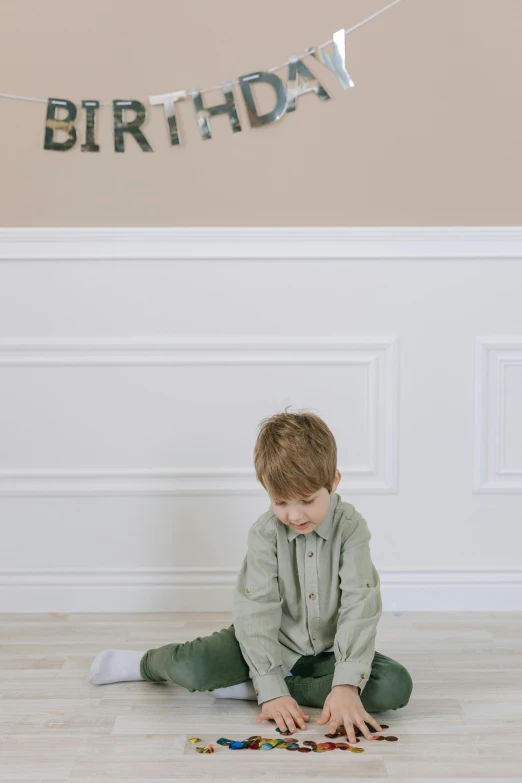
x=351 y=673
x=271 y=685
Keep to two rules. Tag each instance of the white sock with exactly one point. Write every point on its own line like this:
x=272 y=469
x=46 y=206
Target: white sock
x=116 y=666
x=245 y=690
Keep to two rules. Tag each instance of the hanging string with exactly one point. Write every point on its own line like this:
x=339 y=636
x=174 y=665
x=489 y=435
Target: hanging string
x=209 y=89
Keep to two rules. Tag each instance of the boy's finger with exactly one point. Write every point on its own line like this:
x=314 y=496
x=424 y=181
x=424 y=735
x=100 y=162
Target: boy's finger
x=324 y=715
x=374 y=723
x=364 y=728
x=279 y=720
x=289 y=720
x=298 y=717
x=350 y=733
x=334 y=724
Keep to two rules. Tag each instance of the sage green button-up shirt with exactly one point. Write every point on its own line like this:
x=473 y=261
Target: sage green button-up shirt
x=302 y=594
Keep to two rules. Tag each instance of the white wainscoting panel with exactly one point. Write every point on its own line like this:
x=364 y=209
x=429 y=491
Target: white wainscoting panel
x=375 y=361
x=498 y=419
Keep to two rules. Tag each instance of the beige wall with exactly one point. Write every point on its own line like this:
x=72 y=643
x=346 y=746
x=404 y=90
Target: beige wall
x=431 y=134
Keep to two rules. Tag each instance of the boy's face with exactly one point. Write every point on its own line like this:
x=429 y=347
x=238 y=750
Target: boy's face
x=304 y=514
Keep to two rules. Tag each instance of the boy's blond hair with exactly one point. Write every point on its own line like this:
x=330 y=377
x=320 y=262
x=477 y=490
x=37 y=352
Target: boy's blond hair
x=295 y=455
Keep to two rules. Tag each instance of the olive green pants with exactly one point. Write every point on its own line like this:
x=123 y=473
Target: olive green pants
x=216 y=661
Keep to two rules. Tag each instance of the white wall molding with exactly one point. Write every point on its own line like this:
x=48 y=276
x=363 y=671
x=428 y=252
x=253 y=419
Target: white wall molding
x=492 y=356
x=204 y=588
x=251 y=243
x=379 y=357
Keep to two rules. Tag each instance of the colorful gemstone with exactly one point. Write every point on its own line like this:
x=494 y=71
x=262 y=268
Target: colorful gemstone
x=253 y=739
x=235 y=745
x=195 y=739
x=284 y=732
x=357 y=750
x=292 y=747
x=206 y=749
x=266 y=746
x=342 y=745
x=319 y=750
x=311 y=743
x=222 y=741
x=391 y=739
x=304 y=750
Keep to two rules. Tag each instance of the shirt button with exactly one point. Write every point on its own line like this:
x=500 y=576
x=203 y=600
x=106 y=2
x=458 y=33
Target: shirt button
x=364 y=676
x=257 y=693
x=310 y=554
x=314 y=637
x=248 y=589
x=312 y=596
x=368 y=584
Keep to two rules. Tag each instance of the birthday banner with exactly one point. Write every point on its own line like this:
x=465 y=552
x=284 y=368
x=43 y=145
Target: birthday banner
x=299 y=81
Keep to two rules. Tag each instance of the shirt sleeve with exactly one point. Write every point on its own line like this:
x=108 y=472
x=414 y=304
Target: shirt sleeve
x=257 y=614
x=360 y=610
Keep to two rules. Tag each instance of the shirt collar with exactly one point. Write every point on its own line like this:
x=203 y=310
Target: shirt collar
x=325 y=528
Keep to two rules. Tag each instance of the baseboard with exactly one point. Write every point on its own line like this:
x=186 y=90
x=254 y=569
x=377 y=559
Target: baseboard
x=200 y=589
x=298 y=243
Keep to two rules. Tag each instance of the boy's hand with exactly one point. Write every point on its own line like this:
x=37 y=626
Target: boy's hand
x=343 y=705
x=285 y=711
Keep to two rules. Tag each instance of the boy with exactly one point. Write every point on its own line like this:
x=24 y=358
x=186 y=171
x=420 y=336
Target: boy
x=306 y=606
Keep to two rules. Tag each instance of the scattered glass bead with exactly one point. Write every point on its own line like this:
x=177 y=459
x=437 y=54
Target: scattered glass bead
x=311 y=743
x=342 y=745
x=304 y=750
x=357 y=750
x=284 y=732
x=206 y=749
x=222 y=741
x=319 y=750
x=391 y=739
x=266 y=746
x=195 y=739
x=235 y=745
x=292 y=747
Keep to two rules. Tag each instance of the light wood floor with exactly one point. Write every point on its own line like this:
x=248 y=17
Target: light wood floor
x=464 y=719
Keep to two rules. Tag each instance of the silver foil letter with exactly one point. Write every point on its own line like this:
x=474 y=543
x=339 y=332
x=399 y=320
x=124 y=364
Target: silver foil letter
x=168 y=100
x=337 y=63
x=256 y=120
x=90 y=126
x=297 y=68
x=132 y=127
x=52 y=124
x=204 y=112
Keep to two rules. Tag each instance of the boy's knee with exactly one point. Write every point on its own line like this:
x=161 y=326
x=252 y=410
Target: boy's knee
x=194 y=674
x=390 y=691
x=400 y=684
